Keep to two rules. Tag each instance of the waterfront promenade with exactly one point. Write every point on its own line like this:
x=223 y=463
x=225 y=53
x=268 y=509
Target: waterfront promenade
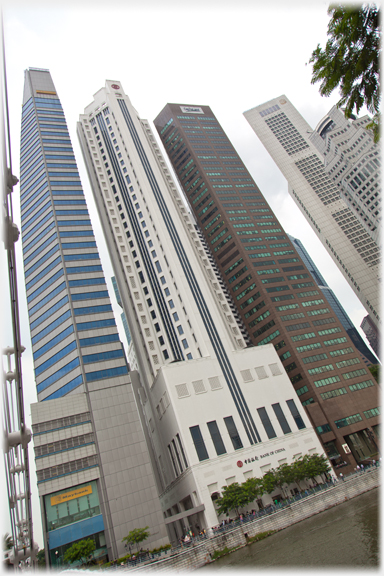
x=236 y=535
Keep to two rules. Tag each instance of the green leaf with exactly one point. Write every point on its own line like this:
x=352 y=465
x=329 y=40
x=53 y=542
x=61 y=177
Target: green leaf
x=351 y=59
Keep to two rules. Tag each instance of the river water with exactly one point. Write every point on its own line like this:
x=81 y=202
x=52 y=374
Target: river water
x=346 y=536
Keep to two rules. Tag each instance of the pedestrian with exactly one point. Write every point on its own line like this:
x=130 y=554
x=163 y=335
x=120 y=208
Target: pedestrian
x=373 y=463
x=362 y=467
x=358 y=468
x=341 y=476
x=241 y=518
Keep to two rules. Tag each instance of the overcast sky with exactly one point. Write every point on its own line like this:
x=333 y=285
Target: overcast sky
x=231 y=56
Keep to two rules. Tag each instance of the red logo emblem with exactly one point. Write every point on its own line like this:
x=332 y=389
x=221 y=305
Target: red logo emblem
x=239 y=463
x=115 y=86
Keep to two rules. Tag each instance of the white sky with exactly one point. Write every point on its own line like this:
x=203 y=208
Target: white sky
x=231 y=56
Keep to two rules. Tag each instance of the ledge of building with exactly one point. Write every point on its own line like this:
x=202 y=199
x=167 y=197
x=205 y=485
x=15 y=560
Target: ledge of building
x=180 y=515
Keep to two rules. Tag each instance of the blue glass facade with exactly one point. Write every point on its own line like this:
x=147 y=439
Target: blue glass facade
x=60 y=254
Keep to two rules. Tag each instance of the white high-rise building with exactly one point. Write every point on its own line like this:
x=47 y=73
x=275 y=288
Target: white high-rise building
x=352 y=160
x=287 y=137
x=215 y=410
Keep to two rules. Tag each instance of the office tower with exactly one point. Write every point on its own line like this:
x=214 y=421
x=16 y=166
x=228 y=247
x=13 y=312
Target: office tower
x=352 y=160
x=372 y=333
x=272 y=289
x=343 y=317
x=209 y=417
x=286 y=136
x=94 y=471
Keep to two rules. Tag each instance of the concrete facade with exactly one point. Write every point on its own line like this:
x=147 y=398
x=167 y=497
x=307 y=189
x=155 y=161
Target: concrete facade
x=353 y=161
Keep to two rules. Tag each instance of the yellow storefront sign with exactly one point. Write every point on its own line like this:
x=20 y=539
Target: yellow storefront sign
x=59 y=498
x=46 y=92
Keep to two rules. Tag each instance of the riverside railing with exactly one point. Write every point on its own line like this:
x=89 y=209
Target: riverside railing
x=247 y=519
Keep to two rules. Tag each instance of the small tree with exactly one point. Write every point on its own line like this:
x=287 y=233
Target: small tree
x=298 y=470
x=137 y=536
x=80 y=551
x=253 y=488
x=40 y=557
x=269 y=481
x=283 y=475
x=234 y=497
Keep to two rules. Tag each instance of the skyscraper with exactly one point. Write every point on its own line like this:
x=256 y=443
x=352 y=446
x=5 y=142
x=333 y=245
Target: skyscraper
x=343 y=317
x=89 y=445
x=352 y=160
x=286 y=136
x=209 y=418
x=272 y=289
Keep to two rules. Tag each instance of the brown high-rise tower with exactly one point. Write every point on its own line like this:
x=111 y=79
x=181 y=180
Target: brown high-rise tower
x=271 y=287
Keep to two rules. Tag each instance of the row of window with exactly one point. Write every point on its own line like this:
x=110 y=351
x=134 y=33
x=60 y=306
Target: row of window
x=216 y=437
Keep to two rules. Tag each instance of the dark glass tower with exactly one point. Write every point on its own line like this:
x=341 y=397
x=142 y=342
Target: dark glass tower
x=273 y=290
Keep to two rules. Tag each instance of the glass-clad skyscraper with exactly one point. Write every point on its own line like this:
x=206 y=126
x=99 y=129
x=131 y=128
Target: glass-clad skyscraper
x=68 y=304
x=88 y=439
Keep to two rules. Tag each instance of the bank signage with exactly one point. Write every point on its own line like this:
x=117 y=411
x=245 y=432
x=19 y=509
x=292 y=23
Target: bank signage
x=59 y=498
x=191 y=109
x=259 y=457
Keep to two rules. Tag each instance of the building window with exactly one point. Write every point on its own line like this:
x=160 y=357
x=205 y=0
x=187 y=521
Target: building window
x=182 y=450
x=295 y=413
x=199 y=443
x=266 y=423
x=216 y=437
x=233 y=433
x=281 y=418
x=173 y=460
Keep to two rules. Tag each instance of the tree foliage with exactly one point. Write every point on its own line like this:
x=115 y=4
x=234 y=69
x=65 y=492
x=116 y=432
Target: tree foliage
x=137 y=536
x=40 y=557
x=236 y=496
x=375 y=371
x=80 y=551
x=351 y=60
